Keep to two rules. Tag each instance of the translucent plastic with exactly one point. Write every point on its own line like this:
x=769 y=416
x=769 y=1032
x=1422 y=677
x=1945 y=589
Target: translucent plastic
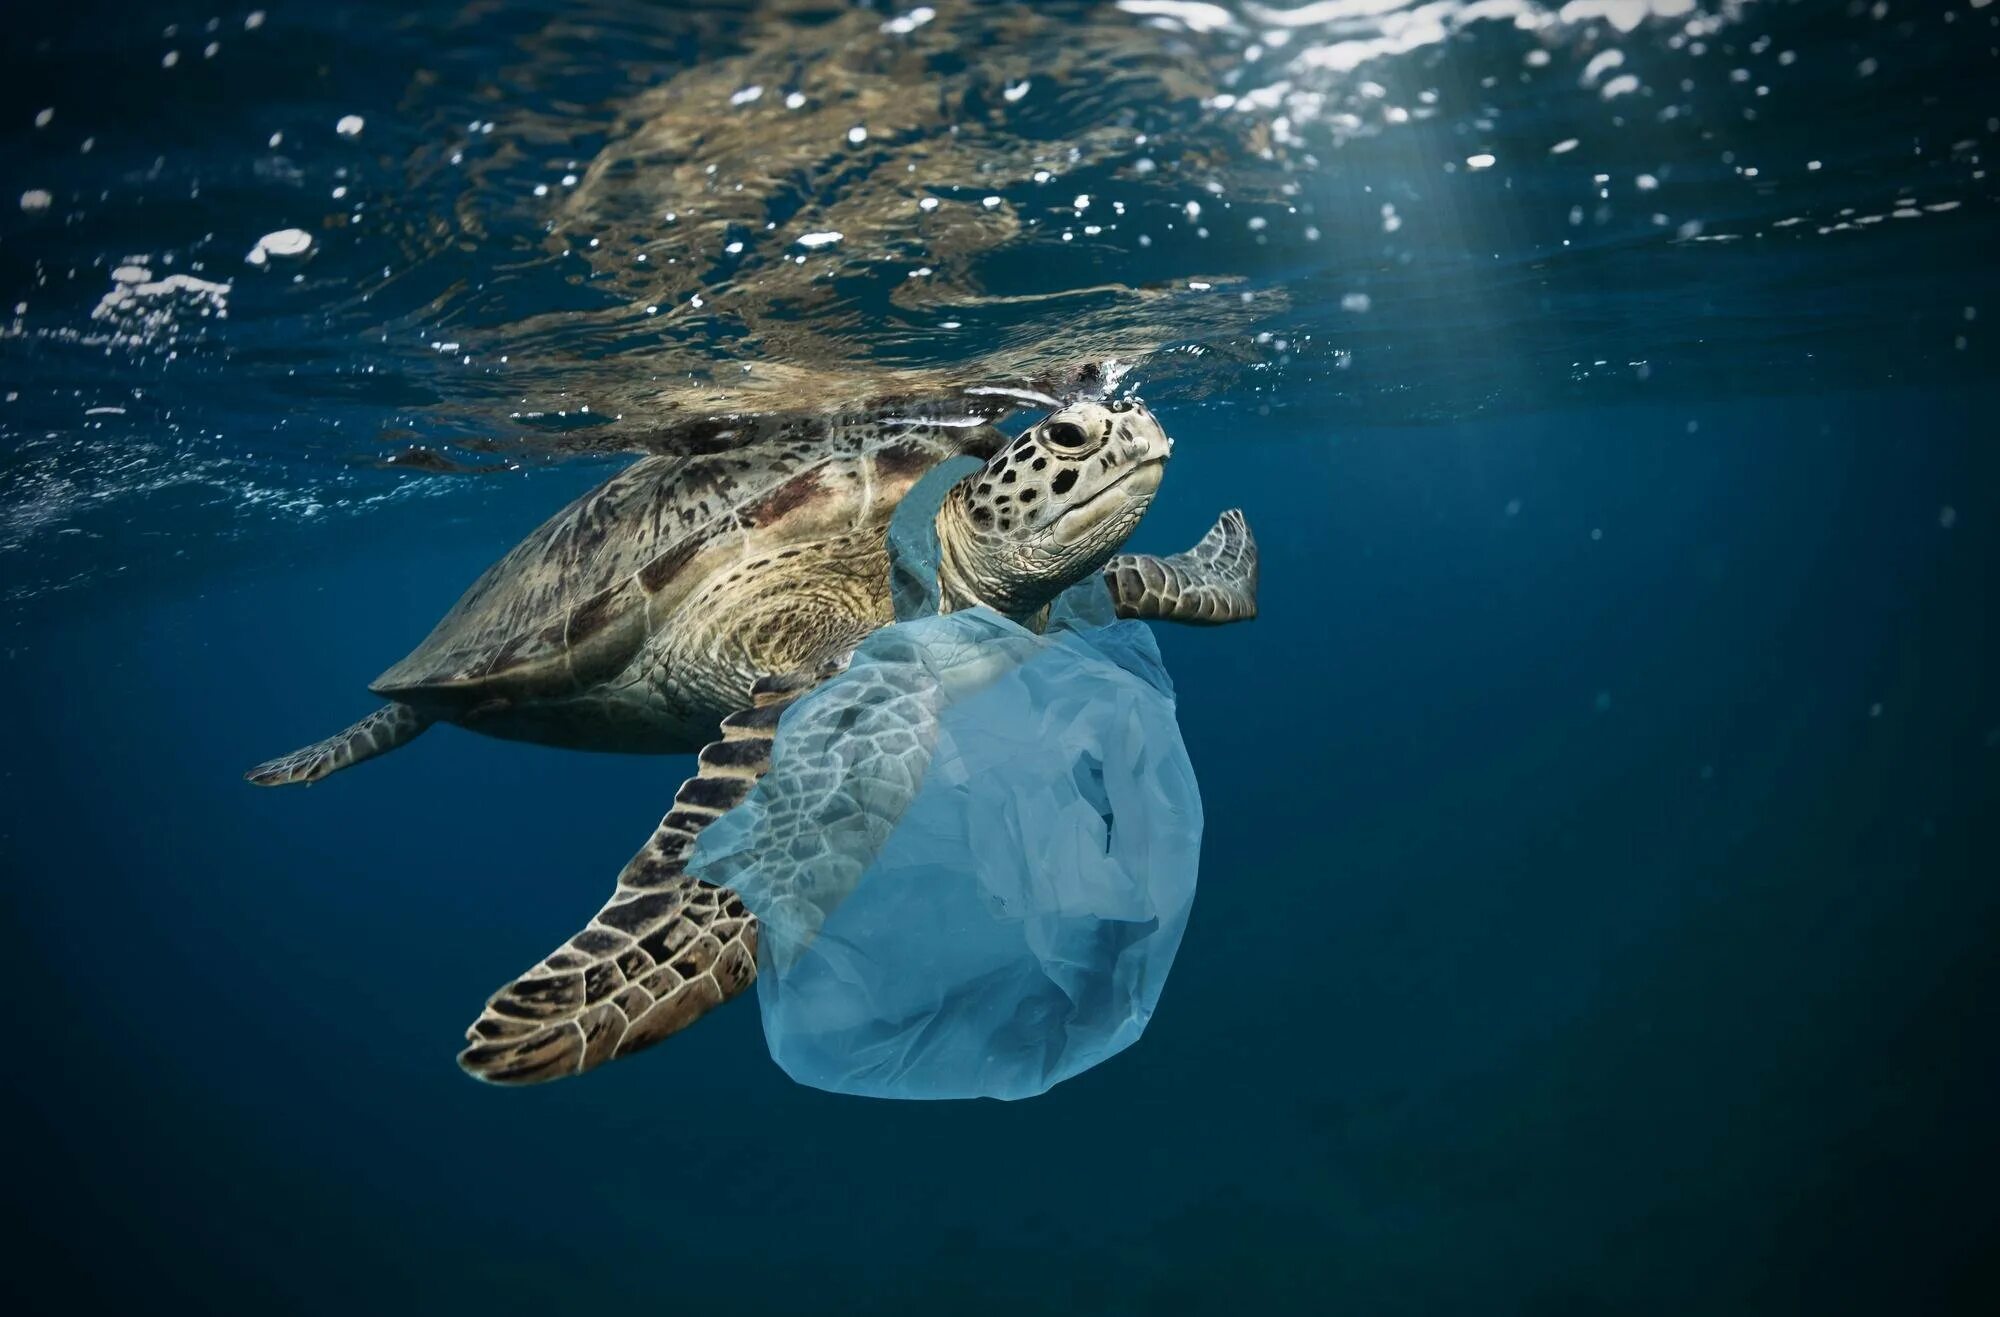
x=973 y=857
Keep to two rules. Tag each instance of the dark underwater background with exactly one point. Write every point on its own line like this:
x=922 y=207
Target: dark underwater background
x=1600 y=895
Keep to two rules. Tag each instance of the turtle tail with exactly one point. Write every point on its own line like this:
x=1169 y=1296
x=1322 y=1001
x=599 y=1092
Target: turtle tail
x=380 y=732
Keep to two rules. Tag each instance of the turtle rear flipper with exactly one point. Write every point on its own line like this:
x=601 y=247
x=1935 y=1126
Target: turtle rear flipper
x=380 y=732
x=1212 y=583
x=666 y=948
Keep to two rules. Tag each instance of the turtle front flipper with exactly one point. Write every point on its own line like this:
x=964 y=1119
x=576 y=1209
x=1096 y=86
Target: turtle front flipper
x=666 y=948
x=1212 y=583
x=380 y=732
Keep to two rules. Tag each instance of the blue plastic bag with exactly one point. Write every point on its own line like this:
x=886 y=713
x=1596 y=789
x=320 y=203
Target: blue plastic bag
x=974 y=855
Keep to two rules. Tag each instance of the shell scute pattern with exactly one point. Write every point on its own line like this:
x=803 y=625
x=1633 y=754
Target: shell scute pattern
x=575 y=600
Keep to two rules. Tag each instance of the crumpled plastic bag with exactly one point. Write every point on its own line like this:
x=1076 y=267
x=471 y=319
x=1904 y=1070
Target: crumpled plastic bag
x=973 y=857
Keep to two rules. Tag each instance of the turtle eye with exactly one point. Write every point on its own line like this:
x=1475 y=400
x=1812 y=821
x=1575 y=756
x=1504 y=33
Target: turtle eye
x=1065 y=434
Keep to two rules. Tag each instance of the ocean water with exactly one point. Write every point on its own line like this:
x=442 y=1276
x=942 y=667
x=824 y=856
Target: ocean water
x=1598 y=905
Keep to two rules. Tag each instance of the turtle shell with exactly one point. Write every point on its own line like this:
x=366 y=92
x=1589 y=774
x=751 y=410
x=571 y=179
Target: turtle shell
x=574 y=601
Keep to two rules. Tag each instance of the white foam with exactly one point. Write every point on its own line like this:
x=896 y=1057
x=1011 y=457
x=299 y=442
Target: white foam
x=1600 y=64
x=824 y=238
x=1194 y=16
x=146 y=307
x=1625 y=15
x=284 y=242
x=35 y=199
x=350 y=125
x=905 y=24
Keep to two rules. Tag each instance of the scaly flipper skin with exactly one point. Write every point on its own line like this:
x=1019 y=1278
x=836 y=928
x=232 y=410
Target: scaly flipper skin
x=390 y=726
x=665 y=949
x=1212 y=583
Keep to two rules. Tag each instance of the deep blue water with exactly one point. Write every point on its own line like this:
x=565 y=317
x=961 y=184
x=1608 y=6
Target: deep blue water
x=1598 y=908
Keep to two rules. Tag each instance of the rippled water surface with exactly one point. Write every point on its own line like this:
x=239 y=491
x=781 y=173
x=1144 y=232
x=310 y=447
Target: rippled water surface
x=1597 y=909
x=589 y=228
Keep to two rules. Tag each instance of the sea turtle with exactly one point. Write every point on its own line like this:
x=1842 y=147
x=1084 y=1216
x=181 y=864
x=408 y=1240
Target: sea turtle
x=687 y=593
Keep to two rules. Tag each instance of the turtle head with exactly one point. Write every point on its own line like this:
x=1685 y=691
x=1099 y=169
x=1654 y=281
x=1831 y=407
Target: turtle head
x=1050 y=508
